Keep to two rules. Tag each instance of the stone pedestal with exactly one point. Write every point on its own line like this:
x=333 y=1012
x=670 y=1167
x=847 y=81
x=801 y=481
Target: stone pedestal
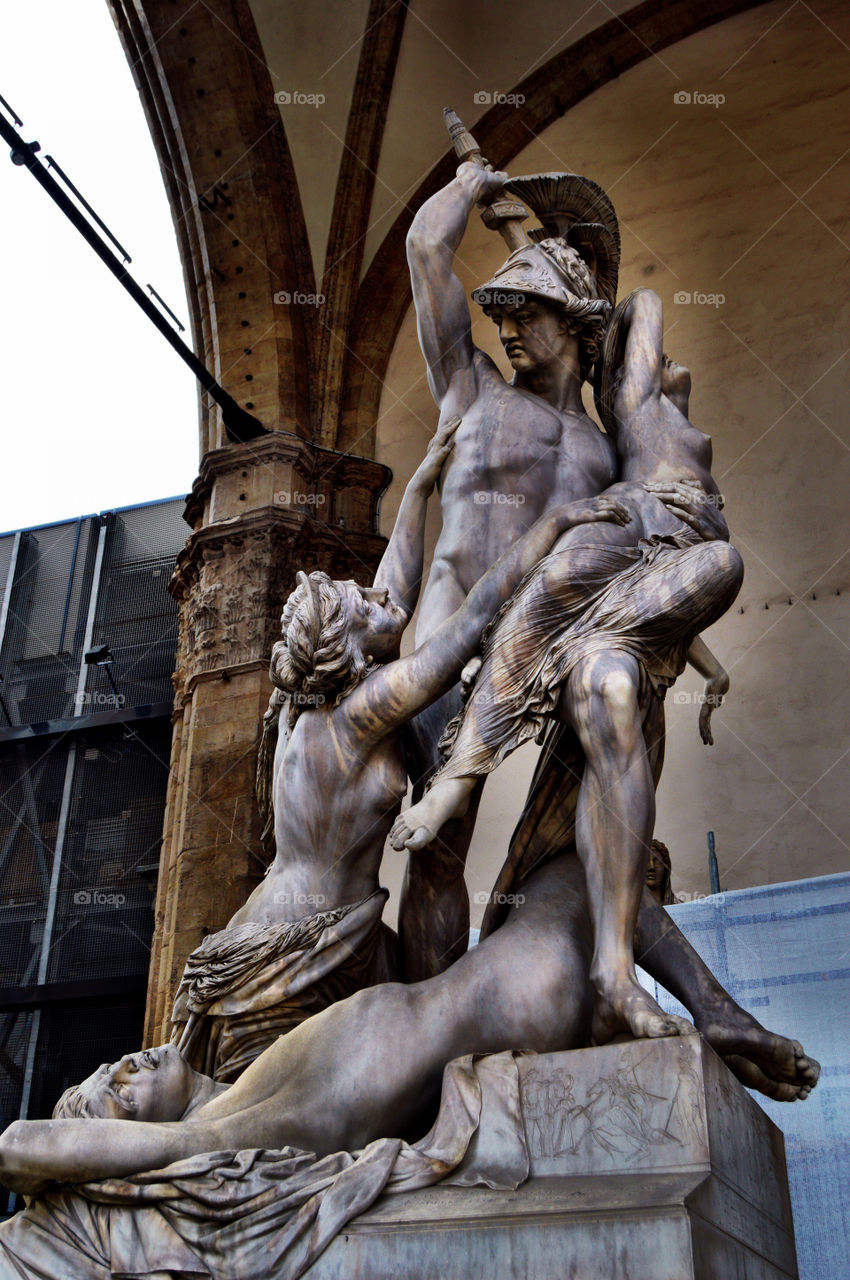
x=647 y=1161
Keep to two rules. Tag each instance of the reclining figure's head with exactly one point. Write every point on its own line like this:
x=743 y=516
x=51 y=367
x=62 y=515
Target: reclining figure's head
x=154 y=1085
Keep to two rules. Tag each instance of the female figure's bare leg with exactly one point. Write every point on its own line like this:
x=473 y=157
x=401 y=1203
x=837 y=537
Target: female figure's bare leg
x=762 y=1060
x=490 y=715
x=433 y=920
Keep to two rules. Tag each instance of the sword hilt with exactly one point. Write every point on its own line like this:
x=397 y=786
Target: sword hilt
x=502 y=215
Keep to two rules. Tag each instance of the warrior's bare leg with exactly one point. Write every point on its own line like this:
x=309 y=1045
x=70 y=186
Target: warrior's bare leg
x=614 y=822
x=616 y=805
x=763 y=1060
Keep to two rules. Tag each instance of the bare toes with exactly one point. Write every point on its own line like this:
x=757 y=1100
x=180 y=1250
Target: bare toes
x=750 y=1075
x=809 y=1069
x=419 y=839
x=628 y=1008
x=400 y=834
x=655 y=1028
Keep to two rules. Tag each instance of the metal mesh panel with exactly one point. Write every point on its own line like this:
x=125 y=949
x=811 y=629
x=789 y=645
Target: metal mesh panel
x=73 y=1041
x=104 y=910
x=781 y=950
x=7 y=547
x=96 y=795
x=45 y=623
x=32 y=776
x=14 y=1039
x=136 y=616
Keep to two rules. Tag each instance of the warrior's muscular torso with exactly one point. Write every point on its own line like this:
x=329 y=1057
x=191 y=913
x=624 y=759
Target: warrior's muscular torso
x=515 y=456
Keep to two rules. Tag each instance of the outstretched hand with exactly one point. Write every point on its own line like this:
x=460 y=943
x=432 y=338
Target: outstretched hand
x=440 y=446
x=589 y=510
x=690 y=503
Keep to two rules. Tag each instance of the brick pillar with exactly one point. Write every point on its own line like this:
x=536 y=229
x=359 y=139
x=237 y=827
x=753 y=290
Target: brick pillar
x=260 y=512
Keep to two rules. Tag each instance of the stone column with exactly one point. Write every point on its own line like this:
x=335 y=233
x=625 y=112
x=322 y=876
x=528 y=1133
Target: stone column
x=259 y=512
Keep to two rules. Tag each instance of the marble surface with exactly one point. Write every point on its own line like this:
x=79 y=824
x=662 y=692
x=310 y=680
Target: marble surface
x=648 y=1161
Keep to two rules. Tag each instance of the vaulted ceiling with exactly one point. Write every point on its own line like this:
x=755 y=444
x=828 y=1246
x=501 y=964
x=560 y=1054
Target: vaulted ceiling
x=297 y=140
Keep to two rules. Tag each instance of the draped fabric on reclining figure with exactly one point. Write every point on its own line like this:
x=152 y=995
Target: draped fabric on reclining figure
x=250 y=983
x=227 y=1215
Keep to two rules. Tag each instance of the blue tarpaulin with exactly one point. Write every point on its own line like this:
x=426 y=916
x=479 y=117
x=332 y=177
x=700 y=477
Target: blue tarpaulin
x=783 y=952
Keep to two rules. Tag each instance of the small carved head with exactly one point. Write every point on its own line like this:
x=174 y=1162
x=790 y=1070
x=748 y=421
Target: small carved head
x=659 y=872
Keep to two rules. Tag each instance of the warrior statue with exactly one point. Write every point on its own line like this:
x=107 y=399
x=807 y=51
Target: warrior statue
x=532 y=442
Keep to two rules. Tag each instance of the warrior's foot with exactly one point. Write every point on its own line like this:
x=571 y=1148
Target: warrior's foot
x=754 y=1078
x=776 y=1066
x=624 y=1008
x=421 y=823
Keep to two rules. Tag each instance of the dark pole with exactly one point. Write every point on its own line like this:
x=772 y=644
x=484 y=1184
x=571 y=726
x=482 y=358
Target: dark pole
x=3 y=704
x=239 y=424
x=713 y=869
x=107 y=666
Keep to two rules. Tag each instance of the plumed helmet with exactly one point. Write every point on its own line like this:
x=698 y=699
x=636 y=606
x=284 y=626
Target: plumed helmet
x=577 y=210
x=549 y=271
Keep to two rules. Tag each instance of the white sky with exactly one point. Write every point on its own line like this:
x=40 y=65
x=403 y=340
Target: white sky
x=96 y=409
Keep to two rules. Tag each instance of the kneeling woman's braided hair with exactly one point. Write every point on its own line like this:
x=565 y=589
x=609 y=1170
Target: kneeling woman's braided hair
x=316 y=658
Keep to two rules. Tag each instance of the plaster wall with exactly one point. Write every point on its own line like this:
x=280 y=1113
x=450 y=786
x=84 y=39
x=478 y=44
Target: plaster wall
x=744 y=199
